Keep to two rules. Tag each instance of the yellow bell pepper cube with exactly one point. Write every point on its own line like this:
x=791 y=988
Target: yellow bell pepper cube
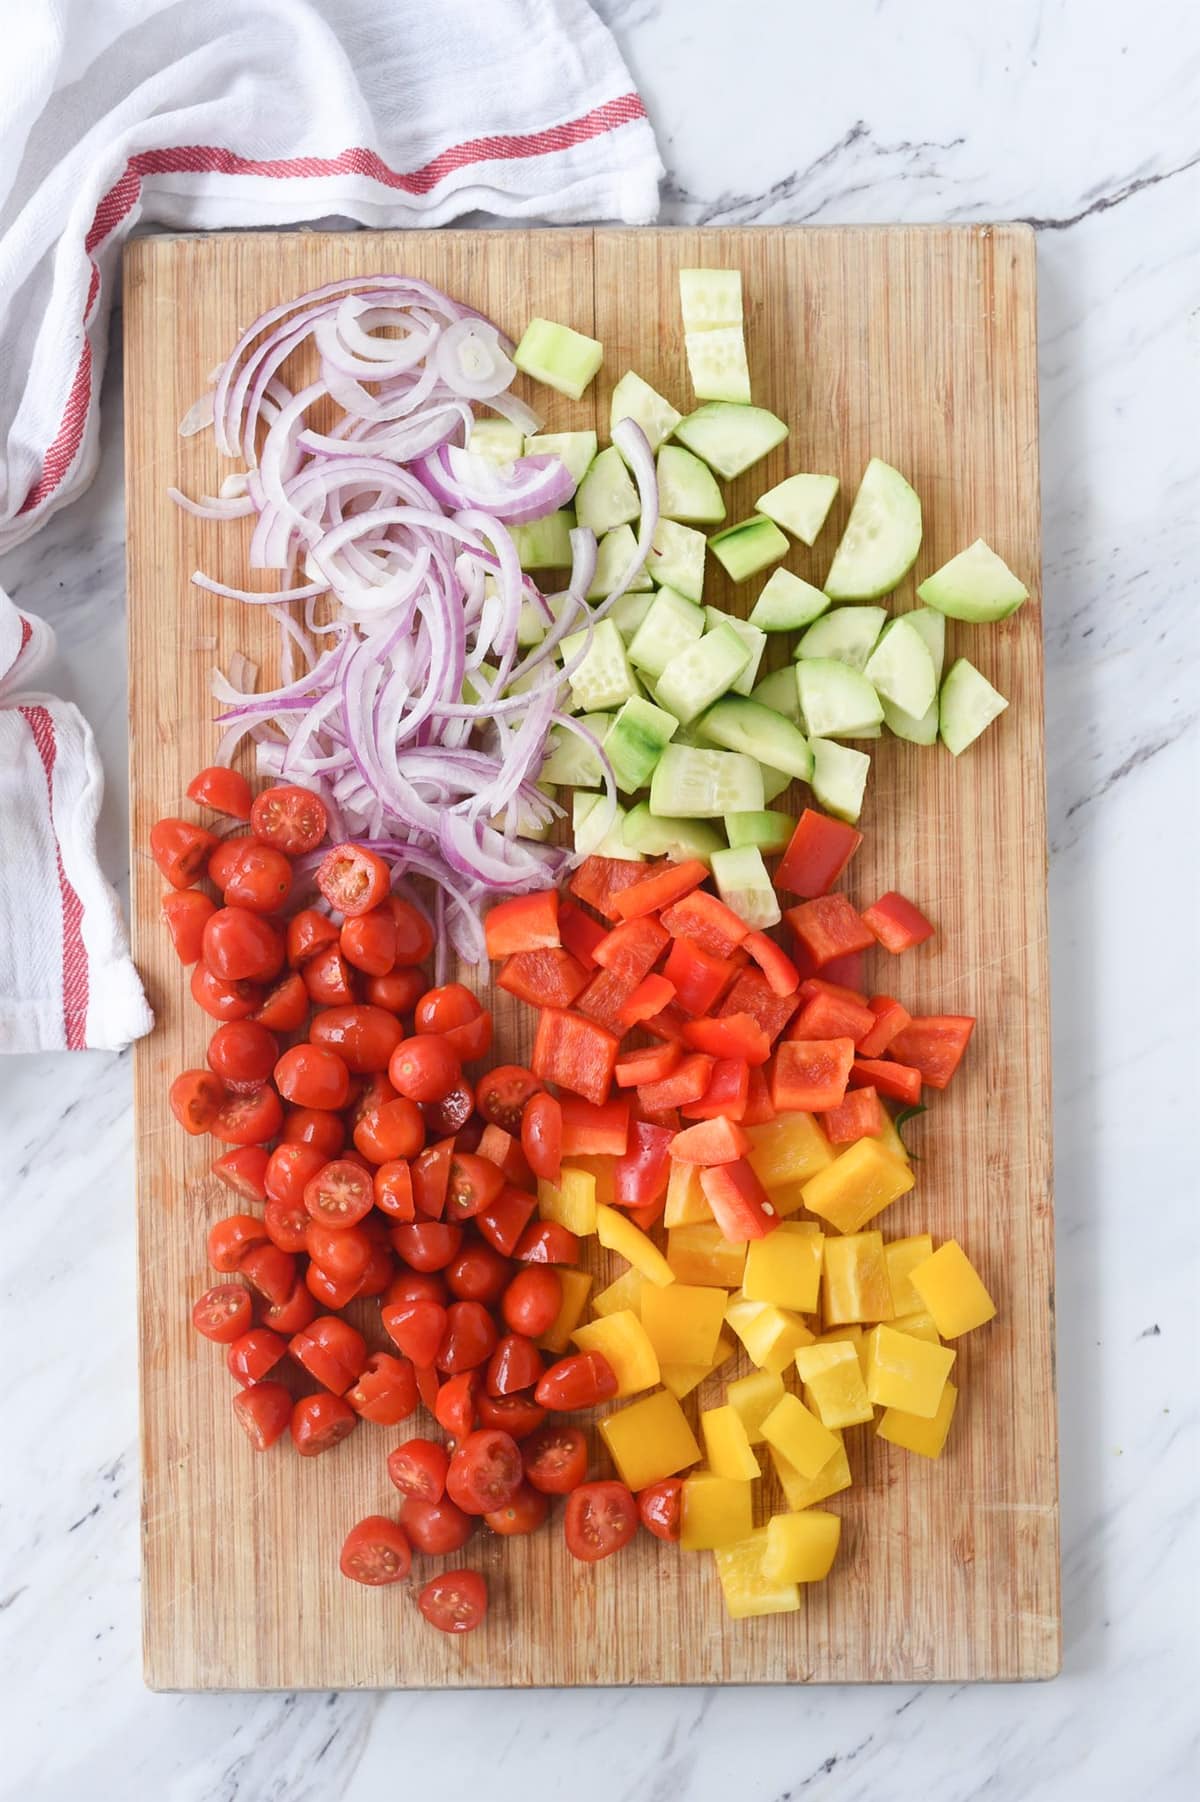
x=624 y=1341
x=602 y=1171
x=618 y=1233
x=801 y=1548
x=950 y=1287
x=796 y=1432
x=785 y=1267
x=926 y=1437
x=683 y=1321
x=771 y=1335
x=787 y=1150
x=920 y=1325
x=833 y=1385
x=681 y=1379
x=701 y=1253
x=649 y=1440
x=571 y=1201
x=889 y=1140
x=856 y=1186
x=748 y=1590
x=788 y=1199
x=686 y=1204
x=803 y=1492
x=713 y=1511
x=901 y=1256
x=625 y=1291
x=848 y=1335
x=906 y=1373
x=855 y=1280
x=576 y=1287
x=727 y=1446
x=754 y=1397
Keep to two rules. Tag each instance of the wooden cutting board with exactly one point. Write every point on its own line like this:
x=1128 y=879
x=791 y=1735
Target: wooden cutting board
x=913 y=344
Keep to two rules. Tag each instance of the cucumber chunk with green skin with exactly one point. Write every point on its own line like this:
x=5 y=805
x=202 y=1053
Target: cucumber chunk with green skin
x=754 y=641
x=779 y=692
x=628 y=612
x=769 y=832
x=686 y=489
x=702 y=673
x=744 y=885
x=572 y=759
x=614 y=554
x=575 y=449
x=800 y=504
x=839 y=778
x=676 y=558
x=666 y=837
x=717 y=364
x=730 y=438
x=976 y=585
x=606 y=497
x=787 y=604
x=565 y=360
x=923 y=731
x=835 y=700
x=597 y=834
x=900 y=669
x=632 y=398
x=709 y=298
x=751 y=545
x=672 y=624
x=603 y=678
x=848 y=634
x=774 y=782
x=740 y=725
x=881 y=540
x=688 y=784
x=932 y=627
x=636 y=740
x=967 y=706
x=545 y=543
x=497 y=440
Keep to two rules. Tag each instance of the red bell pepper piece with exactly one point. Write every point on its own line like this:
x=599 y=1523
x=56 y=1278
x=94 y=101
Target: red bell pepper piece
x=847 y=971
x=641 y=1174
x=649 y=1065
x=633 y=947
x=599 y=880
x=740 y=1205
x=667 y=884
x=857 y=1116
x=890 y=1018
x=590 y=1131
x=699 y=978
x=899 y=1082
x=712 y=925
x=819 y=851
x=896 y=923
x=713 y=1141
x=774 y=963
x=576 y=1053
x=727 y=1093
x=550 y=978
x=760 y=1109
x=830 y=1017
x=730 y=1035
x=503 y=1223
x=604 y=998
x=933 y=1044
x=580 y=933
x=651 y=995
x=525 y=923
x=752 y=994
x=668 y=1025
x=660 y=1116
x=828 y=927
x=686 y=1082
x=820 y=985
x=810 y=1075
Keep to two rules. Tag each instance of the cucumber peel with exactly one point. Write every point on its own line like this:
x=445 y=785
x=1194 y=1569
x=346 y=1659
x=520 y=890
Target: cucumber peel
x=770 y=832
x=977 y=585
x=667 y=837
x=800 y=504
x=748 y=547
x=564 y=359
x=742 y=725
x=636 y=740
x=881 y=540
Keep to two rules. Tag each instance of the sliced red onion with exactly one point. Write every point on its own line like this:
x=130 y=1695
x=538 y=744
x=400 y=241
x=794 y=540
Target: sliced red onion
x=198 y=416
x=517 y=412
x=524 y=491
x=470 y=359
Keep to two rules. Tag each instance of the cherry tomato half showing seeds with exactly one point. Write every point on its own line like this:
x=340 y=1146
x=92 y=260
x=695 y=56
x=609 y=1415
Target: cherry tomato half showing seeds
x=293 y=1313
x=248 y=1119
x=555 y=1459
x=532 y=1301
x=485 y=1472
x=307 y=933
x=364 y=1037
x=196 y=1098
x=263 y=1413
x=230 y=1239
x=243 y=1054
x=455 y=1601
x=181 y=850
x=225 y=791
x=319 y=1422
x=289 y=819
x=600 y=1519
x=352 y=880
x=469 y=1339
x=473 y=1185
x=659 y=1508
x=376 y=1551
x=425 y=1068
x=436 y=1528
x=501 y=1095
x=284 y=1007
x=261 y=879
x=223 y=1314
x=524 y=1512
x=341 y=1194
x=368 y=941
x=418 y=1469
x=579 y=1381
x=250 y=1357
x=244 y=1171
x=186 y=912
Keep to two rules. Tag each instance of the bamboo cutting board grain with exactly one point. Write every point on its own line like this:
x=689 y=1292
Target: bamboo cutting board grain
x=913 y=344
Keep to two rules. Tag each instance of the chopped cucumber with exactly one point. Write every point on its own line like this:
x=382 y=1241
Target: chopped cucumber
x=606 y=497
x=740 y=725
x=835 y=700
x=545 y=543
x=572 y=760
x=900 y=669
x=497 y=440
x=702 y=785
x=532 y=625
x=603 y=678
x=575 y=449
x=881 y=540
x=596 y=834
x=676 y=558
x=774 y=782
x=614 y=554
x=932 y=627
x=564 y=359
x=754 y=641
x=710 y=297
x=628 y=612
x=800 y=504
x=717 y=364
x=848 y=635
x=701 y=673
x=770 y=832
x=686 y=489
x=923 y=731
x=632 y=398
x=779 y=692
x=967 y=706
x=743 y=884
x=636 y=740
x=787 y=603
x=730 y=438
x=744 y=549
x=976 y=585
x=676 y=839
x=671 y=625
x=839 y=778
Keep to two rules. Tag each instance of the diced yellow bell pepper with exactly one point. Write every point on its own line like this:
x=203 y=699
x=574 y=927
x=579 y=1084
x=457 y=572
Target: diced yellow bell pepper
x=856 y=1186
x=625 y=1291
x=683 y=1321
x=649 y=1440
x=623 y=1340
x=571 y=1201
x=785 y=1267
x=926 y=1437
x=681 y=1379
x=855 y=1281
x=833 y=1385
x=787 y=1150
x=713 y=1511
x=950 y=1287
x=889 y=1140
x=796 y=1432
x=920 y=1325
x=726 y=1445
x=771 y=1335
x=801 y=1548
x=788 y=1199
x=906 y=1373
x=803 y=1492
x=686 y=1204
x=701 y=1253
x=602 y=1170
x=747 y=1590
x=754 y=1397
x=901 y=1255
x=848 y=1335
x=576 y=1286
x=618 y=1233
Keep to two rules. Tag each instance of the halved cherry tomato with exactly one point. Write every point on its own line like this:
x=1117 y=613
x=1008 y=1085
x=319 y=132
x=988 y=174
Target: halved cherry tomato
x=418 y=1469
x=398 y=991
x=386 y=1392
x=243 y=1054
x=331 y=1350
x=532 y=1301
x=455 y=1601
x=469 y=1339
x=414 y=934
x=196 y=1098
x=223 y=1314
x=269 y=1270
x=452 y=1115
x=455 y=1012
x=223 y=1000
x=343 y=1252
x=659 y=1508
x=600 y=1519
x=524 y=1512
x=579 y=1381
x=395 y=1129
x=364 y=1037
x=225 y=791
x=292 y=1314
x=223 y=861
x=431 y=1177
x=244 y=1170
x=248 y=1119
x=368 y=941
x=415 y=1327
x=478 y=1273
x=547 y=1242
x=230 y=1239
x=515 y=1364
x=240 y=946
x=319 y=1422
x=417 y=1285
x=472 y=1186
x=256 y=1352
x=330 y=1291
x=284 y=1007
x=379 y=1271
x=376 y=1551
x=517 y=1415
x=436 y=1528
x=313 y=1126
x=312 y=1076
x=261 y=880
x=181 y=850
x=502 y=1093
x=394 y=1189
x=339 y=1195
x=290 y=1168
x=329 y=978
x=290 y=819
x=455 y=1403
x=352 y=879
x=307 y=933
x=425 y=1067
x=503 y=1223
x=485 y=1472
x=541 y=1135
x=186 y=912
x=555 y=1459
x=263 y=1412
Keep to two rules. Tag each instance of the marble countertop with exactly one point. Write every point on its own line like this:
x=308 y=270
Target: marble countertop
x=1082 y=120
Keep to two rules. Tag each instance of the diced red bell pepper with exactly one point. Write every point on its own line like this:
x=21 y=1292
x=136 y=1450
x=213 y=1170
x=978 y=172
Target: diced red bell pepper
x=580 y=933
x=503 y=1223
x=890 y=1018
x=712 y=925
x=760 y=1109
x=896 y=923
x=899 y=1082
x=667 y=884
x=819 y=851
x=648 y=1065
x=828 y=927
x=668 y=1025
x=847 y=971
x=599 y=880
x=641 y=1174
x=729 y=1035
x=774 y=963
x=727 y=1093
x=576 y=1053
x=857 y=1116
x=740 y=1205
x=604 y=997
x=525 y=923
x=933 y=1044
x=820 y=985
x=503 y=1150
x=715 y=1140
x=660 y=1116
x=686 y=1082
x=699 y=978
x=752 y=994
x=651 y=995
x=830 y=1017
x=810 y=1075
x=551 y=978
x=589 y=1131
x=633 y=947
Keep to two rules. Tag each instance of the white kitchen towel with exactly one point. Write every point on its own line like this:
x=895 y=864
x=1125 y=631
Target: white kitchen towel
x=208 y=113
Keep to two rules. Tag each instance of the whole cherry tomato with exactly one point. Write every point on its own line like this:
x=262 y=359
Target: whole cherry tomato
x=469 y=1338
x=532 y=1301
x=579 y=1381
x=263 y=1413
x=523 y=1512
x=269 y=1271
x=555 y=1459
x=289 y=819
x=343 y=1252
x=455 y=1601
x=250 y=1357
x=393 y=1189
x=313 y=1126
x=436 y=1528
x=284 y=1007
x=261 y=880
x=181 y=850
x=186 y=912
x=352 y=879
x=196 y=1098
x=386 y=1392
x=376 y=1551
x=240 y=946
x=501 y=1095
x=230 y=1239
x=425 y=1068
x=364 y=1037
x=341 y=1194
x=223 y=1314
x=329 y=978
x=600 y=1519
x=454 y=1409
x=478 y=1273
x=395 y=1129
x=516 y=1415
x=368 y=941
x=248 y=1119
x=307 y=933
x=415 y=1327
x=398 y=991
x=414 y=934
x=541 y=1136
x=427 y=1244
x=331 y=1350
x=418 y=1469
x=659 y=1508
x=225 y=791
x=515 y=1364
x=243 y=1054
x=319 y=1422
